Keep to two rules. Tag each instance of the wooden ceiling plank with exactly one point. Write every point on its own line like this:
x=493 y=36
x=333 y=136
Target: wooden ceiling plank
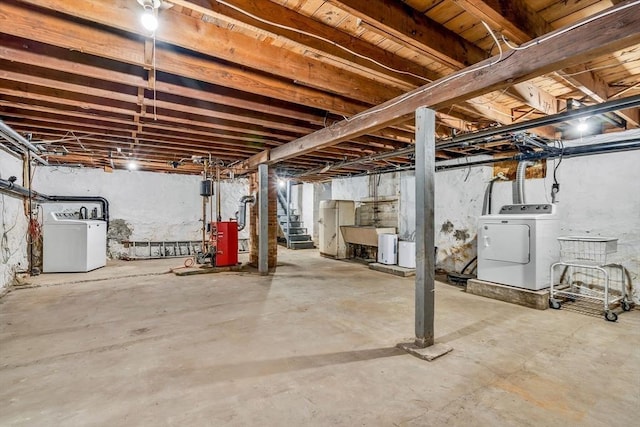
x=514 y=18
x=187 y=32
x=612 y=32
x=415 y=28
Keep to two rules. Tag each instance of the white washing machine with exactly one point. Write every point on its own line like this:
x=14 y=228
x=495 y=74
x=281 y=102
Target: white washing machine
x=71 y=244
x=517 y=246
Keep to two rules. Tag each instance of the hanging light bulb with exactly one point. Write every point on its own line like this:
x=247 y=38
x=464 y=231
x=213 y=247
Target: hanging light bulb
x=132 y=165
x=149 y=17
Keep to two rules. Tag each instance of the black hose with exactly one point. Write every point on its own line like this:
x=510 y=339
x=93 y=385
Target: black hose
x=468 y=264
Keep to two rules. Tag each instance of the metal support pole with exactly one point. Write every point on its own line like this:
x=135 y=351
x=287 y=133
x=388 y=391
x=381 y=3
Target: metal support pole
x=425 y=247
x=288 y=214
x=263 y=219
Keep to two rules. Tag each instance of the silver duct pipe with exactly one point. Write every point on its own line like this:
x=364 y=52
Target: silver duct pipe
x=19 y=141
x=241 y=215
x=518 y=185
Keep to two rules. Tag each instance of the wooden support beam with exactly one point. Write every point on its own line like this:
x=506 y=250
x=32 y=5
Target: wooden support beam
x=612 y=32
x=536 y=98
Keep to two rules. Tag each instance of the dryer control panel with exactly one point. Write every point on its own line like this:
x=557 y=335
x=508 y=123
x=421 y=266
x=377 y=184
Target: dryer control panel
x=527 y=209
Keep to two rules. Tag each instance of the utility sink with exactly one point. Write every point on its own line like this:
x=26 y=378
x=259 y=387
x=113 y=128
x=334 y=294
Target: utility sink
x=364 y=235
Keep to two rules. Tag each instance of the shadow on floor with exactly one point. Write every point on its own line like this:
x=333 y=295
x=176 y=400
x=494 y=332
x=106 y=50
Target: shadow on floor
x=261 y=368
x=470 y=329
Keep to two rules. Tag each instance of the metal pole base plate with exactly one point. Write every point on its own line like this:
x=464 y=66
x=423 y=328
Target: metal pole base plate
x=427 y=353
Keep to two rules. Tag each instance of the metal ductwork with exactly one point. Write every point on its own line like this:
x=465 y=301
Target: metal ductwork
x=241 y=215
x=519 y=197
x=20 y=142
x=12 y=188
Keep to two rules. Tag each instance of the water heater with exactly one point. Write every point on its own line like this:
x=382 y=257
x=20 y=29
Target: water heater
x=223 y=243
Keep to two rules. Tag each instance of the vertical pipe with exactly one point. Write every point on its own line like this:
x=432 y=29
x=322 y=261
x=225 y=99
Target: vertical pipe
x=218 y=207
x=288 y=214
x=204 y=248
x=32 y=267
x=425 y=246
x=263 y=219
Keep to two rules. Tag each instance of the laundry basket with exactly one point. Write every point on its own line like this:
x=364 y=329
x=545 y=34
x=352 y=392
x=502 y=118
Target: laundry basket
x=591 y=250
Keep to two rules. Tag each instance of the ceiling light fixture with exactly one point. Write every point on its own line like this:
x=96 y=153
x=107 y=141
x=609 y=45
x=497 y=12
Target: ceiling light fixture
x=132 y=165
x=149 y=17
x=582 y=125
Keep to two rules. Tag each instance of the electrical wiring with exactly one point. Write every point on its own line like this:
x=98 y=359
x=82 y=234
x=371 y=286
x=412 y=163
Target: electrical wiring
x=324 y=39
x=555 y=168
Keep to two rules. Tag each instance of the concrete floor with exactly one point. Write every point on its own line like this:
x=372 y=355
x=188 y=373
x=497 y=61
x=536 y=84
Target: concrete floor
x=312 y=344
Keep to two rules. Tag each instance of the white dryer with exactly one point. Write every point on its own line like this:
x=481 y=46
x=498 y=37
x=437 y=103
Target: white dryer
x=517 y=246
x=71 y=244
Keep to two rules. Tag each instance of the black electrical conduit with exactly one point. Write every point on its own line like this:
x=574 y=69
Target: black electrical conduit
x=18 y=190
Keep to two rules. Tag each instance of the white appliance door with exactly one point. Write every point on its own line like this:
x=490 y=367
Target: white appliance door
x=328 y=231
x=505 y=242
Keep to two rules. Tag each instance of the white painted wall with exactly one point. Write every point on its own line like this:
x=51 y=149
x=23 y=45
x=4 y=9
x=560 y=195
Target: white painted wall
x=156 y=207
x=13 y=224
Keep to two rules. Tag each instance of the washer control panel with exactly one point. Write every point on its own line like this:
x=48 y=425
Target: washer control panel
x=527 y=209
x=65 y=215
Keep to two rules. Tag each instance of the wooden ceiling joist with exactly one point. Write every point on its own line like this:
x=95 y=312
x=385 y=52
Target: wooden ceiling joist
x=19 y=21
